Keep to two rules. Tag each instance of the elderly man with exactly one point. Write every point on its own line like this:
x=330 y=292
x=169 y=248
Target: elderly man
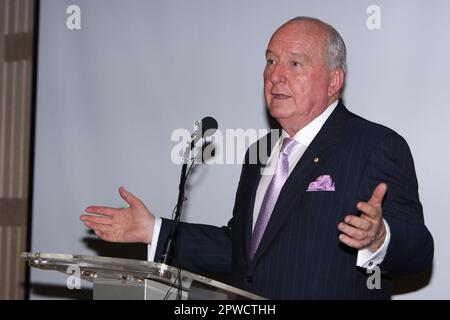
x=343 y=198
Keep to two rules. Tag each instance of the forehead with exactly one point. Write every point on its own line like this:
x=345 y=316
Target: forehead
x=303 y=37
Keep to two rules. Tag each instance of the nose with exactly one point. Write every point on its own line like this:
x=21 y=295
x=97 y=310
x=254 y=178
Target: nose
x=277 y=74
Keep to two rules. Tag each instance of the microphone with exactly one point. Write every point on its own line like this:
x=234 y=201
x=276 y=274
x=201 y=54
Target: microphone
x=205 y=128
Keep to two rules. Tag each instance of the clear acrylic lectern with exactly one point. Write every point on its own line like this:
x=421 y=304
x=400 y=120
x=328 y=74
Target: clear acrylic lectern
x=115 y=278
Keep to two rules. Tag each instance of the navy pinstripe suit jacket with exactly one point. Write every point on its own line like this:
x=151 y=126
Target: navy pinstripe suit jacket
x=300 y=255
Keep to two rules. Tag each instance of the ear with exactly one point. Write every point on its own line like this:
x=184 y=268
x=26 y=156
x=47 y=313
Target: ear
x=336 y=82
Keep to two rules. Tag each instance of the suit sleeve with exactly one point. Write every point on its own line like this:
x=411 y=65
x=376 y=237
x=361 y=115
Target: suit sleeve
x=199 y=247
x=411 y=246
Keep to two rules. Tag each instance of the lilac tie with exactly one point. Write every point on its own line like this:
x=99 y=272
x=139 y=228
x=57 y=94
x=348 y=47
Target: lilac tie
x=272 y=193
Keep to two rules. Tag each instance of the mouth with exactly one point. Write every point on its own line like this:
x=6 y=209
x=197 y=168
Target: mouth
x=280 y=96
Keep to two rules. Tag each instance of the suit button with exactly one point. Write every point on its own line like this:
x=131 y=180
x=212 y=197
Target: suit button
x=249 y=279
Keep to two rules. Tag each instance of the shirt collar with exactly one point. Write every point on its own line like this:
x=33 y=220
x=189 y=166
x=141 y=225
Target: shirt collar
x=306 y=135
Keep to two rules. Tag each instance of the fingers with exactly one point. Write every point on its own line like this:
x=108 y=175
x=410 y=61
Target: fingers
x=353 y=243
x=366 y=231
x=378 y=195
x=372 y=209
x=107 y=232
x=99 y=233
x=103 y=235
x=353 y=236
x=107 y=220
x=128 y=196
x=353 y=232
x=371 y=212
x=358 y=222
x=103 y=228
x=106 y=211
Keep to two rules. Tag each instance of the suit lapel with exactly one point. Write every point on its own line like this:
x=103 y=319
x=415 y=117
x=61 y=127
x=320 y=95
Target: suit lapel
x=301 y=176
x=267 y=143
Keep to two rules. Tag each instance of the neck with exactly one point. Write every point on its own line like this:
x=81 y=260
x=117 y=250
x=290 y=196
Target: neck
x=292 y=126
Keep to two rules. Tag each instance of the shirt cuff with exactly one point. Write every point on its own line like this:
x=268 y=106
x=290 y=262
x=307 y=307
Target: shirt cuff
x=369 y=260
x=151 y=248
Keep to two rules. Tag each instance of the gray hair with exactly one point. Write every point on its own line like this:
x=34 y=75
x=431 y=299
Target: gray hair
x=335 y=51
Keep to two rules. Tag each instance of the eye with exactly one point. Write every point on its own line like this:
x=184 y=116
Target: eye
x=297 y=64
x=270 y=61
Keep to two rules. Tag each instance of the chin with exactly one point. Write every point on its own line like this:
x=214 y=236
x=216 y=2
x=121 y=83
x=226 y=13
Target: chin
x=279 y=112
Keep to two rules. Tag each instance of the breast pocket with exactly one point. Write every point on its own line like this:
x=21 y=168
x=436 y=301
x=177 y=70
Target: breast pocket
x=320 y=204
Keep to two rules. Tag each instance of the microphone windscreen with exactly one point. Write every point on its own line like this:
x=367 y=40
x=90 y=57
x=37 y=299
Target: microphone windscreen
x=209 y=126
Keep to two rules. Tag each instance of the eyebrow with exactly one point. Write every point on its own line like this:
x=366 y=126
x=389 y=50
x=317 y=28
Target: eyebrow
x=294 y=54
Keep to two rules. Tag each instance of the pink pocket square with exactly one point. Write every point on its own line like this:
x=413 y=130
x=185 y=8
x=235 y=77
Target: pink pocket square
x=322 y=183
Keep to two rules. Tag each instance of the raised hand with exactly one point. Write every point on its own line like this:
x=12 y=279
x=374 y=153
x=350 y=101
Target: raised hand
x=132 y=224
x=368 y=230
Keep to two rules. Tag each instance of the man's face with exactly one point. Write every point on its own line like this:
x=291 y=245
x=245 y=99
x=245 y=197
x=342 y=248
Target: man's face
x=296 y=79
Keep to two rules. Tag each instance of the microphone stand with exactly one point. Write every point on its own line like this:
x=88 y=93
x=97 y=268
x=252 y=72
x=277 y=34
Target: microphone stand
x=206 y=127
x=166 y=257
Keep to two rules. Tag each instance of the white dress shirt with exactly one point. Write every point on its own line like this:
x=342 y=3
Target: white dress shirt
x=304 y=137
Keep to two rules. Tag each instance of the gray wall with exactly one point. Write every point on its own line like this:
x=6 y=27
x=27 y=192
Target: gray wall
x=111 y=93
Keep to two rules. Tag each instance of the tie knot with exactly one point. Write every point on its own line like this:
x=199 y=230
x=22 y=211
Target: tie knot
x=288 y=145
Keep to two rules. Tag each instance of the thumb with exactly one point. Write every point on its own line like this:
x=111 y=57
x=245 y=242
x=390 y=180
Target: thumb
x=128 y=197
x=378 y=195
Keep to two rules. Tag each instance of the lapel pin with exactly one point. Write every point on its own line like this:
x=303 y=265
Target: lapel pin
x=316 y=159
